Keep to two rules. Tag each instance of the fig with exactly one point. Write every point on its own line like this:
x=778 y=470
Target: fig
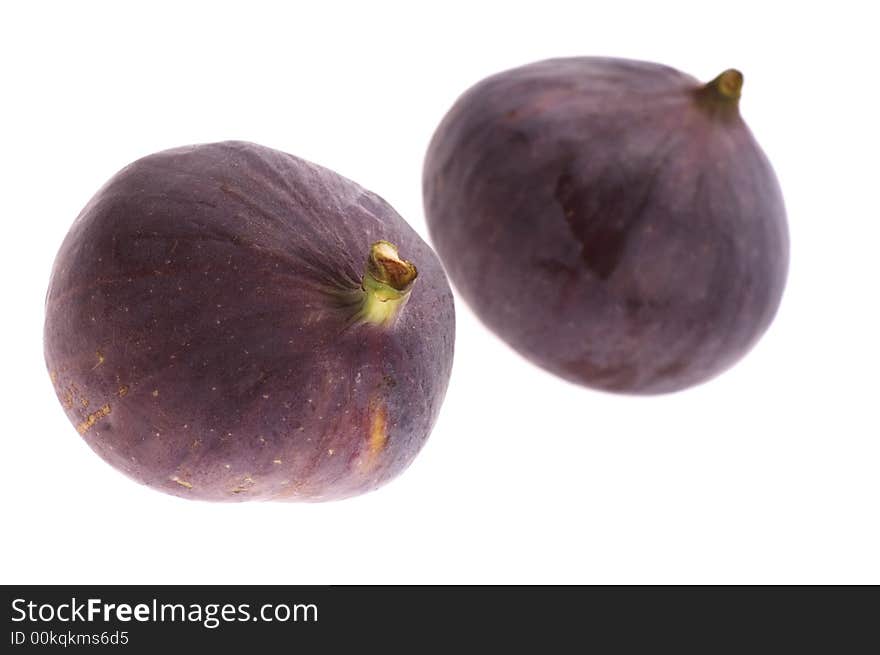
x=614 y=221
x=228 y=322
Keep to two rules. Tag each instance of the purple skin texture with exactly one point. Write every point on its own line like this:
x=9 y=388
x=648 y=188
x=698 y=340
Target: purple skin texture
x=208 y=331
x=614 y=221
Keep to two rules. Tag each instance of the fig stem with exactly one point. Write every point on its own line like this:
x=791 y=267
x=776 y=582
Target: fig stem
x=729 y=84
x=386 y=284
x=721 y=95
x=727 y=87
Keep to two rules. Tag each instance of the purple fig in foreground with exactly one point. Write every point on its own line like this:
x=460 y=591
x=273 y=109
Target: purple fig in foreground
x=228 y=322
x=614 y=221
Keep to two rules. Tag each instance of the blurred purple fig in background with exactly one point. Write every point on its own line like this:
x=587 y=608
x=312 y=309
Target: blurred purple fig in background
x=614 y=221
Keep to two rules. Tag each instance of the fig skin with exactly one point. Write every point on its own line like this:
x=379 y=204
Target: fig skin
x=207 y=333
x=614 y=221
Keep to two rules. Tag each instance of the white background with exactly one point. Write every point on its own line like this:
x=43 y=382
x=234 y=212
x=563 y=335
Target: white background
x=769 y=474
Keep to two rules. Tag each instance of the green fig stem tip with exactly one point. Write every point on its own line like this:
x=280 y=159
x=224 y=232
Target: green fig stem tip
x=728 y=85
x=386 y=284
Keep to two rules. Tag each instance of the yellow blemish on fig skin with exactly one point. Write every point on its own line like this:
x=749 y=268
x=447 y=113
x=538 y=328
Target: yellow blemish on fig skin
x=123 y=390
x=378 y=430
x=85 y=402
x=53 y=376
x=276 y=461
x=100 y=359
x=155 y=393
x=246 y=483
x=377 y=437
x=182 y=483
x=93 y=418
